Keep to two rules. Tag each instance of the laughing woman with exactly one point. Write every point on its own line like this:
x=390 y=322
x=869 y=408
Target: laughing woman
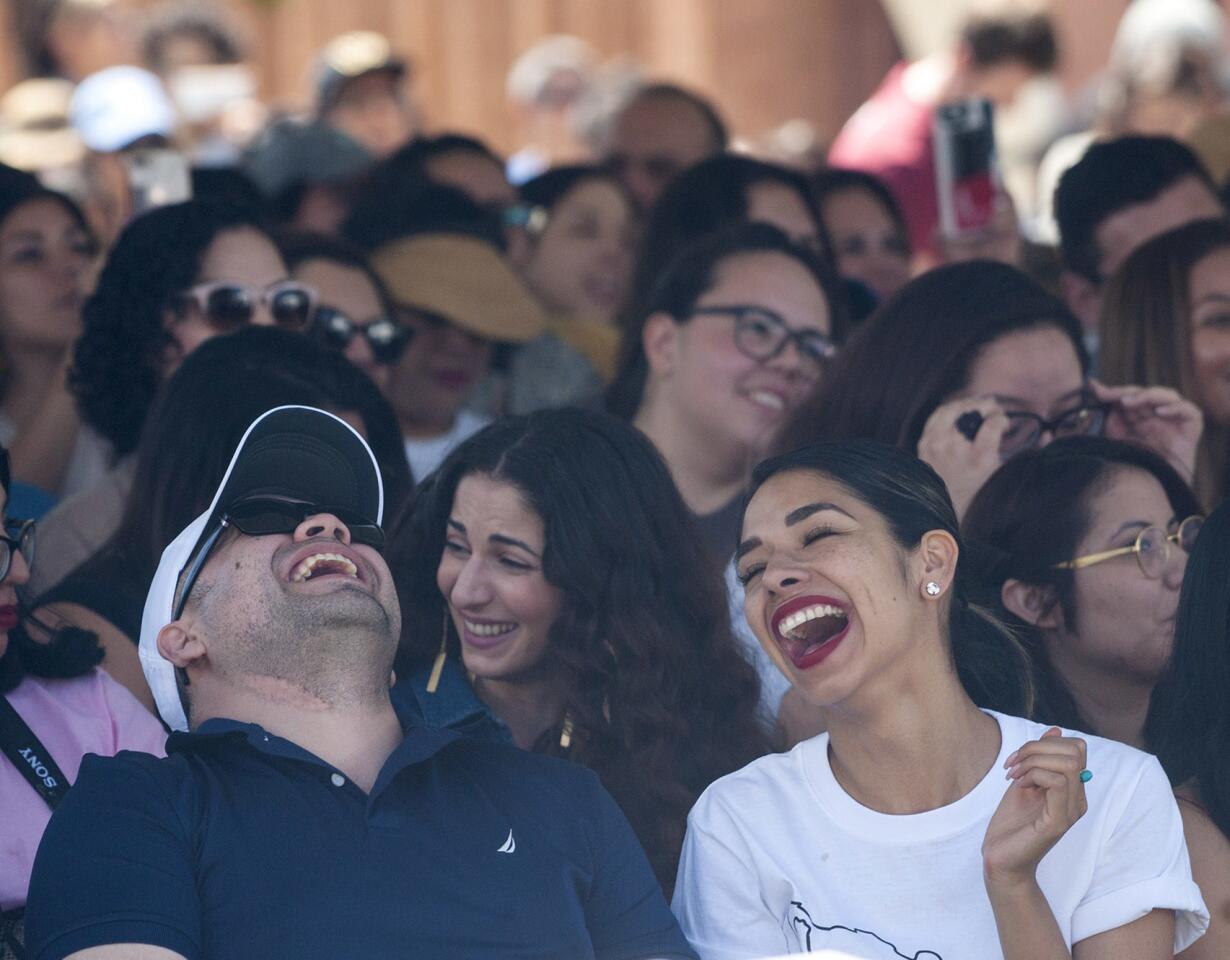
x=894 y=834
x=581 y=615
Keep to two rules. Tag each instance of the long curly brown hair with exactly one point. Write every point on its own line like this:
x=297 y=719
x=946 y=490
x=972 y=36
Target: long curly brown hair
x=661 y=701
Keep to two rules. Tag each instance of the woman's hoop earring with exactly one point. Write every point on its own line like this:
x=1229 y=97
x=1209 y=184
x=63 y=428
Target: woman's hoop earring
x=437 y=668
x=932 y=588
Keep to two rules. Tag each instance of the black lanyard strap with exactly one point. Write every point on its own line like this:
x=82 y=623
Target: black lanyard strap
x=28 y=755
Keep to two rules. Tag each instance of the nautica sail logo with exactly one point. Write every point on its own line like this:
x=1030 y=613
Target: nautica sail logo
x=509 y=845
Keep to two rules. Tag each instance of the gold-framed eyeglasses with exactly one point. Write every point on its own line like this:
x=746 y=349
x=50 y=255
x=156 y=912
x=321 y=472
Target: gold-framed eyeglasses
x=1152 y=548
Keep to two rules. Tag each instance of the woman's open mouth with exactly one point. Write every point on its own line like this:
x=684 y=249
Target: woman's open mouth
x=808 y=629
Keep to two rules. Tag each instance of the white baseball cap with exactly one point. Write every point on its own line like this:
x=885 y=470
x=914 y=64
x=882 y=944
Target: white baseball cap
x=291 y=451
x=116 y=107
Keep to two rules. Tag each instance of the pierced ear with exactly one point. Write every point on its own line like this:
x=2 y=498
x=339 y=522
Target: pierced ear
x=659 y=339
x=937 y=553
x=179 y=646
x=1034 y=605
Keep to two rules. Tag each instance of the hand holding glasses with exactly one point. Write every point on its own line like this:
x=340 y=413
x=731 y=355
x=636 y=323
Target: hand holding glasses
x=228 y=306
x=762 y=334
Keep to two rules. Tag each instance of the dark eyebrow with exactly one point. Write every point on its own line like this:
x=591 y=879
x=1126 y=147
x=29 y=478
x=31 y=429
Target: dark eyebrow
x=513 y=542
x=457 y=525
x=1213 y=298
x=802 y=513
x=747 y=546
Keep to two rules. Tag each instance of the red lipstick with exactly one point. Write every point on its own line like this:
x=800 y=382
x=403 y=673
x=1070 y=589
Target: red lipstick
x=8 y=618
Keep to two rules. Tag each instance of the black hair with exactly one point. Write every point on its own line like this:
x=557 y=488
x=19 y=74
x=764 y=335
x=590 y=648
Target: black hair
x=911 y=498
x=708 y=112
x=704 y=198
x=226 y=185
x=643 y=604
x=201 y=415
x=549 y=188
x=831 y=180
x=687 y=278
x=1188 y=725
x=1113 y=175
x=194 y=21
x=918 y=349
x=1032 y=514
x=1023 y=37
x=62 y=654
x=398 y=197
x=118 y=359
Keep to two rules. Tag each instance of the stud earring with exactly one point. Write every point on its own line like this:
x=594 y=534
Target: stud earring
x=932 y=588
x=437 y=668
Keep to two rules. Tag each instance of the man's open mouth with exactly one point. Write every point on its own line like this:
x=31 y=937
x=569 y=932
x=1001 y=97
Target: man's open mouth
x=319 y=565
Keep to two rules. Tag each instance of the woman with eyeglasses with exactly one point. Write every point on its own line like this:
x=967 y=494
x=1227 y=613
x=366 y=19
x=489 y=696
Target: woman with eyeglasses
x=1086 y=542
x=1189 y=724
x=55 y=707
x=352 y=313
x=973 y=363
x=177 y=276
x=931 y=819
x=1165 y=323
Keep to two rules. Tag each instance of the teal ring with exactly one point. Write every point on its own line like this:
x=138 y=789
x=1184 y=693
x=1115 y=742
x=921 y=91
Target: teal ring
x=1086 y=776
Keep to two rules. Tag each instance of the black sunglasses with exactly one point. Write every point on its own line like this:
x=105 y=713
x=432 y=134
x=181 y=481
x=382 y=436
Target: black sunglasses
x=386 y=337
x=19 y=536
x=266 y=515
x=228 y=306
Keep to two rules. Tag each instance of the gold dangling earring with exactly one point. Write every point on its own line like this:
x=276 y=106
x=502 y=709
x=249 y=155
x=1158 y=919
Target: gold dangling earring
x=437 y=668
x=565 y=737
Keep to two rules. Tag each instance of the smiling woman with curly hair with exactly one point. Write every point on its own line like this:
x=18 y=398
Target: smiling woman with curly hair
x=571 y=585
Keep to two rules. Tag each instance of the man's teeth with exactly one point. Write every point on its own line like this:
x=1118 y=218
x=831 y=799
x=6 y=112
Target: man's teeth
x=304 y=570
x=806 y=615
x=489 y=629
x=767 y=399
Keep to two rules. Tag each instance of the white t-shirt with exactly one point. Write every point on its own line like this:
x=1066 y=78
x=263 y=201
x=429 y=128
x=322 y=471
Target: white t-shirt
x=427 y=453
x=780 y=859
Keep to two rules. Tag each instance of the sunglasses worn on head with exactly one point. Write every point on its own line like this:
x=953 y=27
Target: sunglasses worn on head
x=266 y=515
x=229 y=306
x=18 y=535
x=386 y=337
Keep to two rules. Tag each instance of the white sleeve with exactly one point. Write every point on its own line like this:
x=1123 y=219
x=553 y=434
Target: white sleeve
x=717 y=897
x=1142 y=866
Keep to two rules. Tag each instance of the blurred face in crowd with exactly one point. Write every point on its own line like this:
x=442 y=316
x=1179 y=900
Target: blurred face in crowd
x=491 y=576
x=999 y=82
x=1209 y=295
x=1124 y=620
x=475 y=174
x=242 y=256
x=374 y=110
x=653 y=139
x=45 y=260
x=1035 y=370
x=1181 y=203
x=581 y=261
x=436 y=373
x=349 y=291
x=19 y=573
x=868 y=245
x=701 y=368
x=782 y=207
x=828 y=591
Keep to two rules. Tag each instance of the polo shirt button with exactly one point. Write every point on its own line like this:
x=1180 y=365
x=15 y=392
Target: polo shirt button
x=338 y=779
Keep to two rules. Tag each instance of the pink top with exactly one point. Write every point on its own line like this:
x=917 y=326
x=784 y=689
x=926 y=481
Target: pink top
x=890 y=136
x=88 y=714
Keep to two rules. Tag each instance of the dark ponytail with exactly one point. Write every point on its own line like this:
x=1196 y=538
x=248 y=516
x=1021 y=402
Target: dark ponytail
x=991 y=662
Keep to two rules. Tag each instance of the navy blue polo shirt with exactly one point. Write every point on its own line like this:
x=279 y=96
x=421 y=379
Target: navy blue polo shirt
x=241 y=844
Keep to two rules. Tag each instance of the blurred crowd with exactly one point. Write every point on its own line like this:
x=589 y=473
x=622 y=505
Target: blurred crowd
x=740 y=470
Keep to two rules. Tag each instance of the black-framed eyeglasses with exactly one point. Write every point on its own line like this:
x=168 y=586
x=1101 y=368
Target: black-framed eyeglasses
x=1025 y=429
x=266 y=515
x=228 y=306
x=18 y=535
x=386 y=337
x=1153 y=549
x=762 y=334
